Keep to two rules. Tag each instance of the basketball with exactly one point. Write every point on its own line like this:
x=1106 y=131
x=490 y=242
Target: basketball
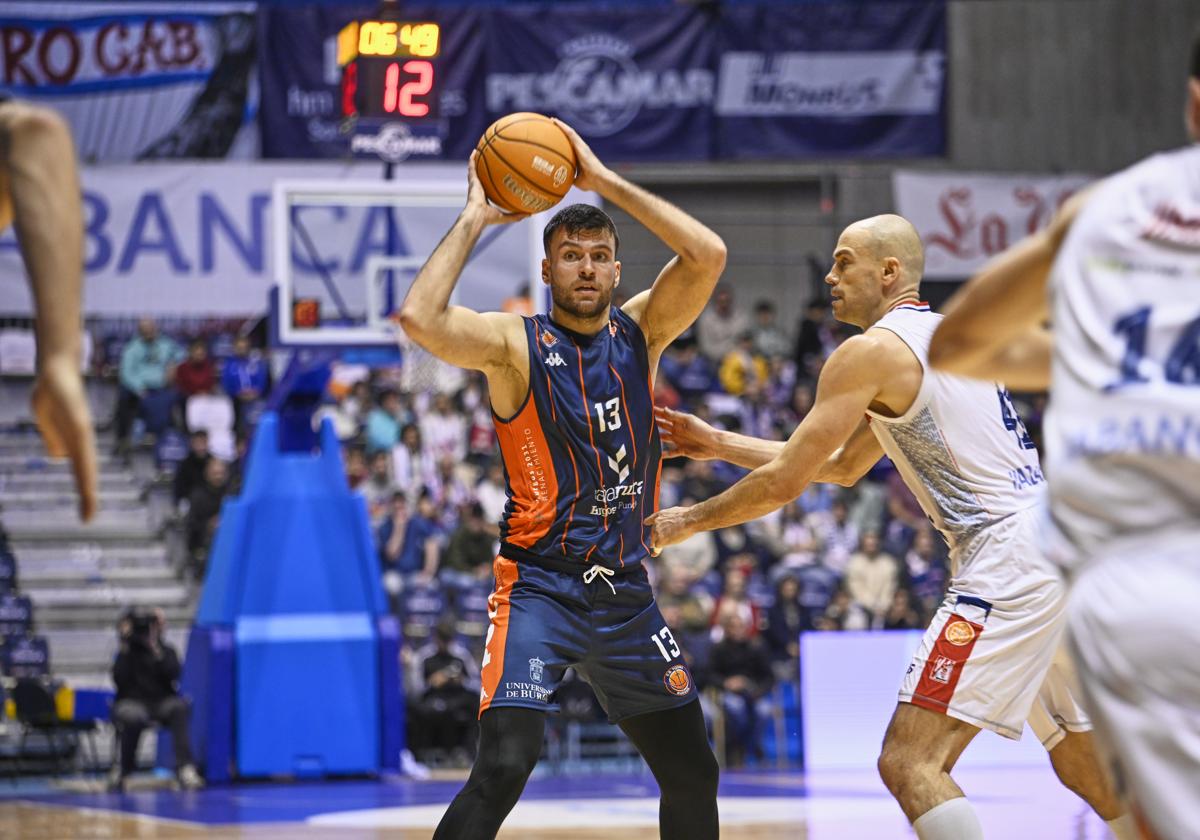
x=526 y=163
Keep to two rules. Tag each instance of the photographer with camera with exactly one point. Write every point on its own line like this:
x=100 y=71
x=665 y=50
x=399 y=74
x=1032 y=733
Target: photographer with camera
x=146 y=674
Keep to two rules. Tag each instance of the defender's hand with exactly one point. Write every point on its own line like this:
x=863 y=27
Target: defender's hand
x=477 y=199
x=60 y=408
x=685 y=435
x=590 y=171
x=668 y=527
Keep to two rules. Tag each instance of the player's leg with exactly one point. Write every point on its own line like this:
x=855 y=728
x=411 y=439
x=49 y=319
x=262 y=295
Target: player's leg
x=1064 y=728
x=510 y=742
x=920 y=749
x=1134 y=635
x=674 y=743
x=637 y=671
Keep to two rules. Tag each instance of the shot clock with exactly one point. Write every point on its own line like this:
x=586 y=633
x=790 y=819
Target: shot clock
x=389 y=69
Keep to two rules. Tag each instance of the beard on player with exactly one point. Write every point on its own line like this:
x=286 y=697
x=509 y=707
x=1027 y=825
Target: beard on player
x=566 y=296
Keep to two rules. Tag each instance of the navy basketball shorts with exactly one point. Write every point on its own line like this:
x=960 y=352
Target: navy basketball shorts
x=545 y=621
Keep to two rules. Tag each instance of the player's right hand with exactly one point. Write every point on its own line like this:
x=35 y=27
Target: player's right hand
x=477 y=199
x=685 y=435
x=64 y=419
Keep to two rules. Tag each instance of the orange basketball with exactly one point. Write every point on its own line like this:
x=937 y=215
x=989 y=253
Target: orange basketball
x=526 y=163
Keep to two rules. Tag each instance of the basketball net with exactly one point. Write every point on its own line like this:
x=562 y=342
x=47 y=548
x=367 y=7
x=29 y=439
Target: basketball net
x=423 y=373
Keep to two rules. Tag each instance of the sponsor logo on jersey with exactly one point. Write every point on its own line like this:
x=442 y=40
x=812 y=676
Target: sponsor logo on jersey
x=960 y=633
x=618 y=465
x=1029 y=475
x=555 y=360
x=526 y=691
x=677 y=680
x=612 y=328
x=535 y=669
x=611 y=494
x=548 y=338
x=943 y=668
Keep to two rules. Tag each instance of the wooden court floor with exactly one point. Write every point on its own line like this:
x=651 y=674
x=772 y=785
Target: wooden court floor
x=836 y=805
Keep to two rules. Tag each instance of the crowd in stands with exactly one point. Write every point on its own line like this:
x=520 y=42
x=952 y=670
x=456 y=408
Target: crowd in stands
x=428 y=465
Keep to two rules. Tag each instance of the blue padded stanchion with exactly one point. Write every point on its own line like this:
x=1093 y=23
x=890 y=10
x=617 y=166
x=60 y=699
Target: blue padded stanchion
x=293 y=578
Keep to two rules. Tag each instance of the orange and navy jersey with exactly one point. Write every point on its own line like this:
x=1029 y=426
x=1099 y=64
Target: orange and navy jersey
x=582 y=456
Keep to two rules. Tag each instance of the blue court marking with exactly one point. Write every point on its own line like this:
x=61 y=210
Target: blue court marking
x=271 y=802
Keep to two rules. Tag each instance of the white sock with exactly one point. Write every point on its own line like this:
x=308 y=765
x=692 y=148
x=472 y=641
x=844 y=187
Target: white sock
x=1124 y=827
x=952 y=820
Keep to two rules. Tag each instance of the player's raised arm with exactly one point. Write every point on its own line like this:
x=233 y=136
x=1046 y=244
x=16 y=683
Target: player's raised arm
x=993 y=326
x=38 y=158
x=849 y=383
x=683 y=287
x=455 y=334
x=687 y=436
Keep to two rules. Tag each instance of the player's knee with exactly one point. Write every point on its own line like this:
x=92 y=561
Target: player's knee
x=509 y=772
x=897 y=765
x=694 y=780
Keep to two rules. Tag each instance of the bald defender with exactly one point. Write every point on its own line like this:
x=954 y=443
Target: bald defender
x=990 y=658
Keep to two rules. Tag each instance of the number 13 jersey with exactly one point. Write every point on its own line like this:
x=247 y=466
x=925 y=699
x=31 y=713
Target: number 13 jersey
x=582 y=456
x=960 y=447
x=1123 y=426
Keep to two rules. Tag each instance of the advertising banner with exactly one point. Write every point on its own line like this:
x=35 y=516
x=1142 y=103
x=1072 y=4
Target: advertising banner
x=832 y=80
x=195 y=239
x=138 y=81
x=965 y=218
x=638 y=84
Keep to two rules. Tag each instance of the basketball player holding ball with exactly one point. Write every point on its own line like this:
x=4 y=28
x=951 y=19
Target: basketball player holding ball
x=571 y=395
x=39 y=194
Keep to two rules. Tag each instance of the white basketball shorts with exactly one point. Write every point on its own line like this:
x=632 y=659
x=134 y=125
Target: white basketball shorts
x=1132 y=625
x=993 y=655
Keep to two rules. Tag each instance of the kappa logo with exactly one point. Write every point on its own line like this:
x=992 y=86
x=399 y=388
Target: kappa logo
x=555 y=360
x=618 y=464
x=943 y=667
x=535 y=669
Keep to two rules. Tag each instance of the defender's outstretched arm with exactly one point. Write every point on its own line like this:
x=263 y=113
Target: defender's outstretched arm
x=849 y=383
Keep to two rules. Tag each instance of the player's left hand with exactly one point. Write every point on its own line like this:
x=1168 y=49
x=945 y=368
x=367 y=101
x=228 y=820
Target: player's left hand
x=590 y=171
x=668 y=527
x=64 y=419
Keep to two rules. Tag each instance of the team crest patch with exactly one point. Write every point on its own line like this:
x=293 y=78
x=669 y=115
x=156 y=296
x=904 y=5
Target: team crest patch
x=548 y=338
x=535 y=669
x=677 y=680
x=960 y=633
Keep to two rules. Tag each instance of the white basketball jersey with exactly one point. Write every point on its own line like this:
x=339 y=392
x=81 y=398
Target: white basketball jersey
x=1123 y=427
x=960 y=447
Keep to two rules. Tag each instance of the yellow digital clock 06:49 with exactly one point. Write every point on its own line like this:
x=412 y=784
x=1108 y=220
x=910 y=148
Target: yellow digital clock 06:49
x=388 y=68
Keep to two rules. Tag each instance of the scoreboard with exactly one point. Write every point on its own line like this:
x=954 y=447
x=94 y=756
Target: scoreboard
x=389 y=69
